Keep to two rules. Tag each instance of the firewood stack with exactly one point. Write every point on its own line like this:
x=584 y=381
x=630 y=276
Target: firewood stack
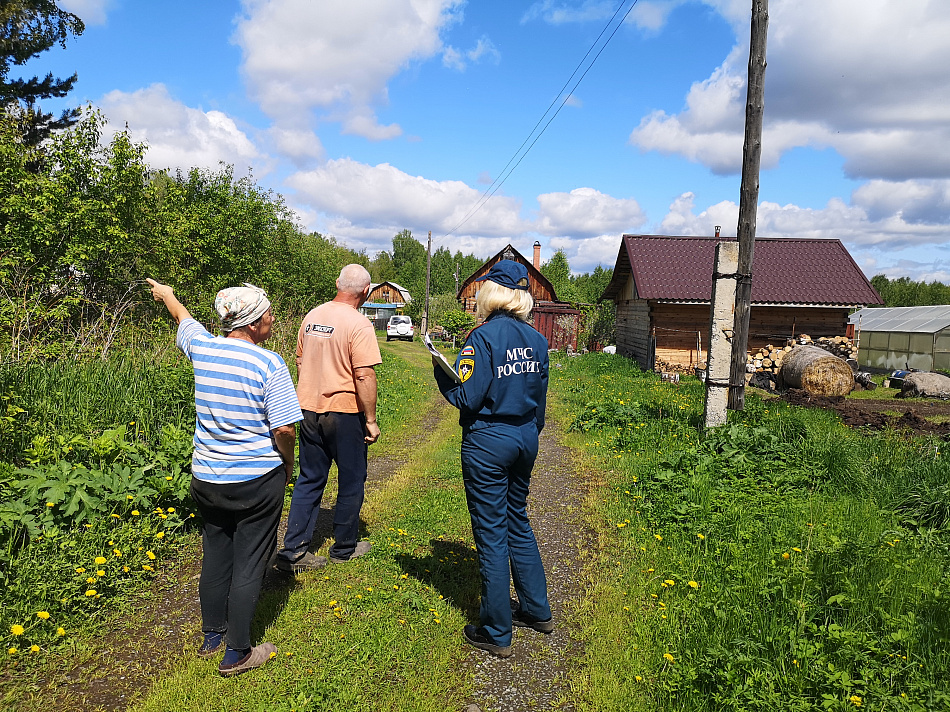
x=769 y=358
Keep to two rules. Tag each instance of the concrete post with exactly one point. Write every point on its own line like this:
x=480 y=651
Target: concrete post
x=719 y=352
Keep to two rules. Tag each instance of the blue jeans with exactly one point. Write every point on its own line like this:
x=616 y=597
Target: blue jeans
x=326 y=438
x=496 y=467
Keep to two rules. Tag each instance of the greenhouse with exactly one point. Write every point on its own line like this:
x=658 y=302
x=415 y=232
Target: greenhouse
x=903 y=338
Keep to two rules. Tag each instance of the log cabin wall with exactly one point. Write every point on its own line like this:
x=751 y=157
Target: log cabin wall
x=633 y=331
x=676 y=327
x=385 y=293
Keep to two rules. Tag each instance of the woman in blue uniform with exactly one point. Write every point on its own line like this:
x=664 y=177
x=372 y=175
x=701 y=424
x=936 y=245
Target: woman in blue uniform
x=503 y=367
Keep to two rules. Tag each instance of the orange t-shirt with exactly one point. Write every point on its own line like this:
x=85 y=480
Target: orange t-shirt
x=334 y=340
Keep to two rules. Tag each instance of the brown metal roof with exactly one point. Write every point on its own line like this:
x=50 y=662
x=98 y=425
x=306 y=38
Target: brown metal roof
x=784 y=270
x=508 y=252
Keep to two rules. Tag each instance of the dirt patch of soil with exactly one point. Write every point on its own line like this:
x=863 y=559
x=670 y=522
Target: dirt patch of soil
x=535 y=677
x=879 y=414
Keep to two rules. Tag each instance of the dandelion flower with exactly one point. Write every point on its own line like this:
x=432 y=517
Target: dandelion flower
x=146 y=567
x=16 y=629
x=795 y=548
x=169 y=478
x=785 y=554
x=42 y=614
x=170 y=510
x=80 y=570
x=700 y=537
x=135 y=512
x=91 y=579
x=159 y=535
x=693 y=584
x=667 y=656
x=50 y=504
x=125 y=569
x=658 y=537
x=115 y=516
x=100 y=572
x=34 y=648
x=60 y=632
x=670 y=582
x=11 y=651
x=91 y=592
x=638 y=678
x=150 y=555
x=272 y=655
x=855 y=700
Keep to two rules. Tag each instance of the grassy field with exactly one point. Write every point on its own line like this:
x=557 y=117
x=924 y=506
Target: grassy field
x=781 y=562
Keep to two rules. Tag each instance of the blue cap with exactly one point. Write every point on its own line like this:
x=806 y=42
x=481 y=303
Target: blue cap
x=508 y=273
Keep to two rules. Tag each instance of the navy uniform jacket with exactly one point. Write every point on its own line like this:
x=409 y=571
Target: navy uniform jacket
x=504 y=370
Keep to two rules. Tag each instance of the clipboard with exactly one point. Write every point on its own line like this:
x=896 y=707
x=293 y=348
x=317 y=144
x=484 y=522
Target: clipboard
x=441 y=360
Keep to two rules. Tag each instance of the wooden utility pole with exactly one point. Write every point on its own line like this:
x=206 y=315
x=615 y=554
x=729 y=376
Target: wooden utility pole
x=425 y=313
x=748 y=200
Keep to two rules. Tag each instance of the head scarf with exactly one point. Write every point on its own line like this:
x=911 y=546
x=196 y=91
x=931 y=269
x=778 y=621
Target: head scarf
x=240 y=306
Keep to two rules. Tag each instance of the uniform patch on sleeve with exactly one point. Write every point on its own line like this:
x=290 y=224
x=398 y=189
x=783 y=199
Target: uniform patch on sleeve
x=467 y=351
x=466 y=369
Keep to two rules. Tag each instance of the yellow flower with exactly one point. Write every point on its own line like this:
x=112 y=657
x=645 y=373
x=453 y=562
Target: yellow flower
x=91 y=592
x=80 y=570
x=100 y=560
x=785 y=555
x=700 y=537
x=855 y=700
x=693 y=584
x=169 y=478
x=159 y=535
x=638 y=678
x=117 y=552
x=332 y=603
x=60 y=632
x=100 y=572
x=670 y=582
x=658 y=537
x=125 y=569
x=150 y=555
x=170 y=510
x=50 y=504
x=11 y=651
x=795 y=548
x=115 y=516
x=135 y=512
x=146 y=567
x=42 y=614
x=16 y=629
x=128 y=496
x=91 y=579
x=34 y=648
x=667 y=656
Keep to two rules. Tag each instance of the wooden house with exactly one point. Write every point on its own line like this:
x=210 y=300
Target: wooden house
x=384 y=300
x=558 y=321
x=662 y=287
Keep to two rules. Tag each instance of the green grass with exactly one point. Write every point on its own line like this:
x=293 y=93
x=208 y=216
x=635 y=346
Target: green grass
x=781 y=562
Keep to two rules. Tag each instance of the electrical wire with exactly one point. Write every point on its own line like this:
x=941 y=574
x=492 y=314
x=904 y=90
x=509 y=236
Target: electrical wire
x=505 y=172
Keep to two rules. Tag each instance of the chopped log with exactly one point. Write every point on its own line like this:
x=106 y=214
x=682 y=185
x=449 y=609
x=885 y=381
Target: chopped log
x=817 y=372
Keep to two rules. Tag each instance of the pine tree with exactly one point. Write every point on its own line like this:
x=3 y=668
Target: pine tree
x=27 y=29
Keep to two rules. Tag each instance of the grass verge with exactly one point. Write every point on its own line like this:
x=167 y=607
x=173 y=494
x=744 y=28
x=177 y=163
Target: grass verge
x=782 y=561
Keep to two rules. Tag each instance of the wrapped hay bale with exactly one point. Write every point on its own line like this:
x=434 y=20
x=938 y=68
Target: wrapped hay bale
x=817 y=372
x=925 y=385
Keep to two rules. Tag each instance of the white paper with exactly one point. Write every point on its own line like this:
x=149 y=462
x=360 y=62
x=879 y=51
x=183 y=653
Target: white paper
x=441 y=360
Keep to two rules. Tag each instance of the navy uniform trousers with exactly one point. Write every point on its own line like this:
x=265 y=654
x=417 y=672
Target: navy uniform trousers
x=496 y=466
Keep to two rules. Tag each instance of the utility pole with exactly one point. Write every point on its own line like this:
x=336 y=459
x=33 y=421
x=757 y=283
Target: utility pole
x=425 y=313
x=748 y=201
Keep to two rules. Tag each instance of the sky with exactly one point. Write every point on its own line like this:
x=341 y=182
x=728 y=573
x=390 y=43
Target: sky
x=374 y=116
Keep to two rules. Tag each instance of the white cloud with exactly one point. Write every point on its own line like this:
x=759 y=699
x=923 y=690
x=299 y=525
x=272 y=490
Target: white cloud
x=179 y=136
x=335 y=55
x=586 y=213
x=573 y=101
x=872 y=227
x=558 y=12
x=868 y=80
x=483 y=49
x=585 y=254
x=362 y=202
x=91 y=12
x=301 y=146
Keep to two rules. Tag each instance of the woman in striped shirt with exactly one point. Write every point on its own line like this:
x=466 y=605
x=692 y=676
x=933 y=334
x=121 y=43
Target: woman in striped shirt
x=245 y=431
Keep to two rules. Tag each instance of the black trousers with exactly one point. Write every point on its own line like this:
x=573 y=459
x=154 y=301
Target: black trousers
x=238 y=536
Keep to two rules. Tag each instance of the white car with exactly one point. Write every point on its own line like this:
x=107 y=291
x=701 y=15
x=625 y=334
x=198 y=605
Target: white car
x=400 y=327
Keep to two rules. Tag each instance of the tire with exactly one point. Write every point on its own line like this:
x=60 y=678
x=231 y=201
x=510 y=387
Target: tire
x=388 y=337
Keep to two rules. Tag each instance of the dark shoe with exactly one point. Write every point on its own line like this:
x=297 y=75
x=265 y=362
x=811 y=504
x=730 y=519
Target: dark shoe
x=307 y=562
x=362 y=547
x=522 y=621
x=259 y=655
x=206 y=651
x=477 y=638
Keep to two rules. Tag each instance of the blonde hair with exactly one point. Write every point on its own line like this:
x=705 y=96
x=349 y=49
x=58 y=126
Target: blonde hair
x=494 y=297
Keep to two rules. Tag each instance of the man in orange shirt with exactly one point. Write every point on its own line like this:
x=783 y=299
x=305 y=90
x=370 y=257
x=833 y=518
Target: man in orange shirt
x=336 y=386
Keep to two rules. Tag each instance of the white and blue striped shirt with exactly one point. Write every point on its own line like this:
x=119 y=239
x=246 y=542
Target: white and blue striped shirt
x=242 y=392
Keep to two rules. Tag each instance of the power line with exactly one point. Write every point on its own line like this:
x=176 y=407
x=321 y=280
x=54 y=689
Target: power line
x=505 y=172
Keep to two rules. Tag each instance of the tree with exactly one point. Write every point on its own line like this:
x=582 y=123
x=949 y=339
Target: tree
x=409 y=261
x=558 y=272
x=591 y=285
x=27 y=29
